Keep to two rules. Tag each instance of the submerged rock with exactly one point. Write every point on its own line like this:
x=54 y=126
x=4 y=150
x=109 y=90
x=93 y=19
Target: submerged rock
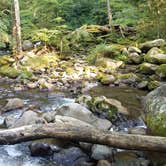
x=155 y=111
x=71 y=156
x=12 y=104
x=40 y=149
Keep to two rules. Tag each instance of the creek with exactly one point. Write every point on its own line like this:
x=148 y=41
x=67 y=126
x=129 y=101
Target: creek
x=19 y=155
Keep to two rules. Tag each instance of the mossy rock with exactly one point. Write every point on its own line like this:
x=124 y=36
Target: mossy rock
x=156 y=56
x=147 y=68
x=66 y=64
x=109 y=63
x=25 y=74
x=157 y=123
x=161 y=71
x=153 y=84
x=107 y=79
x=126 y=76
x=9 y=71
x=101 y=106
x=70 y=70
x=6 y=60
x=113 y=51
x=40 y=62
x=150 y=44
x=155 y=111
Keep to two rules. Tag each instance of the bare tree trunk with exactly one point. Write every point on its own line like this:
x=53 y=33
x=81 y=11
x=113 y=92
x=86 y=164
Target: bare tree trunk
x=82 y=133
x=17 y=48
x=109 y=14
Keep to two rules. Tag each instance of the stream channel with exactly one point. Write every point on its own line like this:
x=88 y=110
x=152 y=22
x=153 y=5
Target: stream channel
x=19 y=154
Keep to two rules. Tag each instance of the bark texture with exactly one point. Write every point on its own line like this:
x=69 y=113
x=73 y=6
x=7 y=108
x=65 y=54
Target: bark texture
x=84 y=134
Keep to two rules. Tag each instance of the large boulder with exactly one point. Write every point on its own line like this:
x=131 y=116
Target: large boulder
x=81 y=113
x=150 y=44
x=156 y=56
x=155 y=111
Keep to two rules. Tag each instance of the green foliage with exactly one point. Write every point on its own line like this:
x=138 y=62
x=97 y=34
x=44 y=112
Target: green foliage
x=153 y=24
x=102 y=50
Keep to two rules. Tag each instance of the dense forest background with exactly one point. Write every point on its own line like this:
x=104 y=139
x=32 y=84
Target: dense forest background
x=147 y=17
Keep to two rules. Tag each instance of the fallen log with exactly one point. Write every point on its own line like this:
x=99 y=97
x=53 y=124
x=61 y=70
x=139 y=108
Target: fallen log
x=84 y=134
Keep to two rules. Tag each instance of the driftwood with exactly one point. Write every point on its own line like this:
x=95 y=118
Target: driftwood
x=84 y=134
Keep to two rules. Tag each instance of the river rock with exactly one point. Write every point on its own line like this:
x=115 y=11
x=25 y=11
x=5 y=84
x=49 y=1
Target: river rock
x=9 y=121
x=108 y=79
x=71 y=121
x=84 y=100
x=127 y=79
x=81 y=113
x=147 y=68
x=102 y=103
x=101 y=152
x=135 y=58
x=127 y=158
x=155 y=111
x=103 y=163
x=70 y=157
x=143 y=85
x=161 y=71
x=27 y=45
x=12 y=104
x=28 y=118
x=40 y=149
x=150 y=44
x=108 y=63
x=153 y=85
x=155 y=56
x=132 y=49
x=2 y=122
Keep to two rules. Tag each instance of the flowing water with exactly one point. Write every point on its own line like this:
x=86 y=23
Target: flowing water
x=19 y=155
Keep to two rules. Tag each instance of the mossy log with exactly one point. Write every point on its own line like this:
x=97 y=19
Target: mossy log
x=82 y=133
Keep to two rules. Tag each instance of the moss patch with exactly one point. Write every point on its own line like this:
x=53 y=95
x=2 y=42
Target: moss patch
x=9 y=71
x=157 y=123
x=161 y=71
